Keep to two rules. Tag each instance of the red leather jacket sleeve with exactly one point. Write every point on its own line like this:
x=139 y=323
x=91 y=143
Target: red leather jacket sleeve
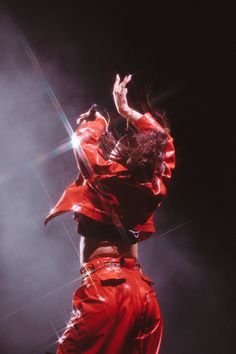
x=85 y=142
x=86 y=196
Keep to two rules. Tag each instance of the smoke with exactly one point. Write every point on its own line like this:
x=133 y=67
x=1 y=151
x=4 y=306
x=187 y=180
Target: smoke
x=39 y=266
x=190 y=288
x=34 y=260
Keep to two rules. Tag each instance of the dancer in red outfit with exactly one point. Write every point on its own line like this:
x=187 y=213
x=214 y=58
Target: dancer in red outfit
x=120 y=185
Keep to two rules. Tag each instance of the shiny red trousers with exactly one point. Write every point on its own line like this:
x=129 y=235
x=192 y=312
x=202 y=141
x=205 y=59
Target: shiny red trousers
x=115 y=311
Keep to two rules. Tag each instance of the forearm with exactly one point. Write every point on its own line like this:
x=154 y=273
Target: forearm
x=130 y=113
x=120 y=99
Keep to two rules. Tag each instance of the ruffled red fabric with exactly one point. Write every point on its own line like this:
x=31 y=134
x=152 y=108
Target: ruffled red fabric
x=104 y=192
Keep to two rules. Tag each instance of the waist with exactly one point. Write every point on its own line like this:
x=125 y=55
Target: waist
x=108 y=262
x=92 y=248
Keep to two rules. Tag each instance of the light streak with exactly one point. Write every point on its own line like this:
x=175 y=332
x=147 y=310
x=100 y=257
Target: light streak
x=163 y=235
x=40 y=299
x=55 y=103
x=49 y=320
x=75 y=144
x=61 y=222
x=60 y=112
x=75 y=141
x=59 y=150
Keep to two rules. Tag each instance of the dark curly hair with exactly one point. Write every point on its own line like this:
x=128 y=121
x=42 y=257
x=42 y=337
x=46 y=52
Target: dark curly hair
x=141 y=153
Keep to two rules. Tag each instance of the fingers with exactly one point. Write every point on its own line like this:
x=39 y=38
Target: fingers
x=89 y=115
x=117 y=83
x=78 y=120
x=82 y=117
x=121 y=85
x=126 y=80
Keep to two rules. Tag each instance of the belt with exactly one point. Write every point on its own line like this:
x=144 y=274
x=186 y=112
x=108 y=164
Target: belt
x=98 y=263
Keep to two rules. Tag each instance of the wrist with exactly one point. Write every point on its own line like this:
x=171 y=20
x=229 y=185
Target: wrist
x=131 y=114
x=126 y=112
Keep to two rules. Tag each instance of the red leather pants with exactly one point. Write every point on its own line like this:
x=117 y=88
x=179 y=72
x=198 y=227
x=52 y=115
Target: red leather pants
x=115 y=311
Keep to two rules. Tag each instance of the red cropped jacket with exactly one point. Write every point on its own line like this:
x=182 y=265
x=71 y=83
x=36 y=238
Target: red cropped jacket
x=104 y=190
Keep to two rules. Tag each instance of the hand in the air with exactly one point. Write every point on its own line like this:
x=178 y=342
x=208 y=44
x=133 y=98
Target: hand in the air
x=120 y=95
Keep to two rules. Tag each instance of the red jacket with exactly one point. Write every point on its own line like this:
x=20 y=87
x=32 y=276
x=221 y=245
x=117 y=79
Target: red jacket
x=104 y=192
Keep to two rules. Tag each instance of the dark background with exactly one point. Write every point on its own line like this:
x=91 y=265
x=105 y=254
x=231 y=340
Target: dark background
x=183 y=53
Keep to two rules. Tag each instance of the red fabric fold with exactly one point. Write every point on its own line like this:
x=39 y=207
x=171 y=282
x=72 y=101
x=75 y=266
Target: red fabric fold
x=103 y=193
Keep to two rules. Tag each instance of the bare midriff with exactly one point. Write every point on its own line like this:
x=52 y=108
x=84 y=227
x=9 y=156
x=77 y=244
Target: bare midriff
x=91 y=248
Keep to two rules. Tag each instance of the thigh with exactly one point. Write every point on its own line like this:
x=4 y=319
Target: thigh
x=92 y=326
x=147 y=331
x=113 y=312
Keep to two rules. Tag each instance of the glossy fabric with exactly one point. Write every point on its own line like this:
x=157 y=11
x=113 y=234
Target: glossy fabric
x=115 y=311
x=104 y=190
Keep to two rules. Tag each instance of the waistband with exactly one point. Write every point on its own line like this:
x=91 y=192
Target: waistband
x=101 y=262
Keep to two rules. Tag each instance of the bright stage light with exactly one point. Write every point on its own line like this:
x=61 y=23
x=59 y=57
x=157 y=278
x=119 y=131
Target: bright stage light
x=75 y=141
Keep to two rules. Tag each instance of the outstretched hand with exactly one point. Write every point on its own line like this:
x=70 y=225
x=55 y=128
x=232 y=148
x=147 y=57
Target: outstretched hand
x=120 y=95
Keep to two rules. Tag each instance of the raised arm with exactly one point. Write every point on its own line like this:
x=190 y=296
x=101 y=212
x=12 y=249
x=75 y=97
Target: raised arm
x=120 y=98
x=144 y=122
x=84 y=141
